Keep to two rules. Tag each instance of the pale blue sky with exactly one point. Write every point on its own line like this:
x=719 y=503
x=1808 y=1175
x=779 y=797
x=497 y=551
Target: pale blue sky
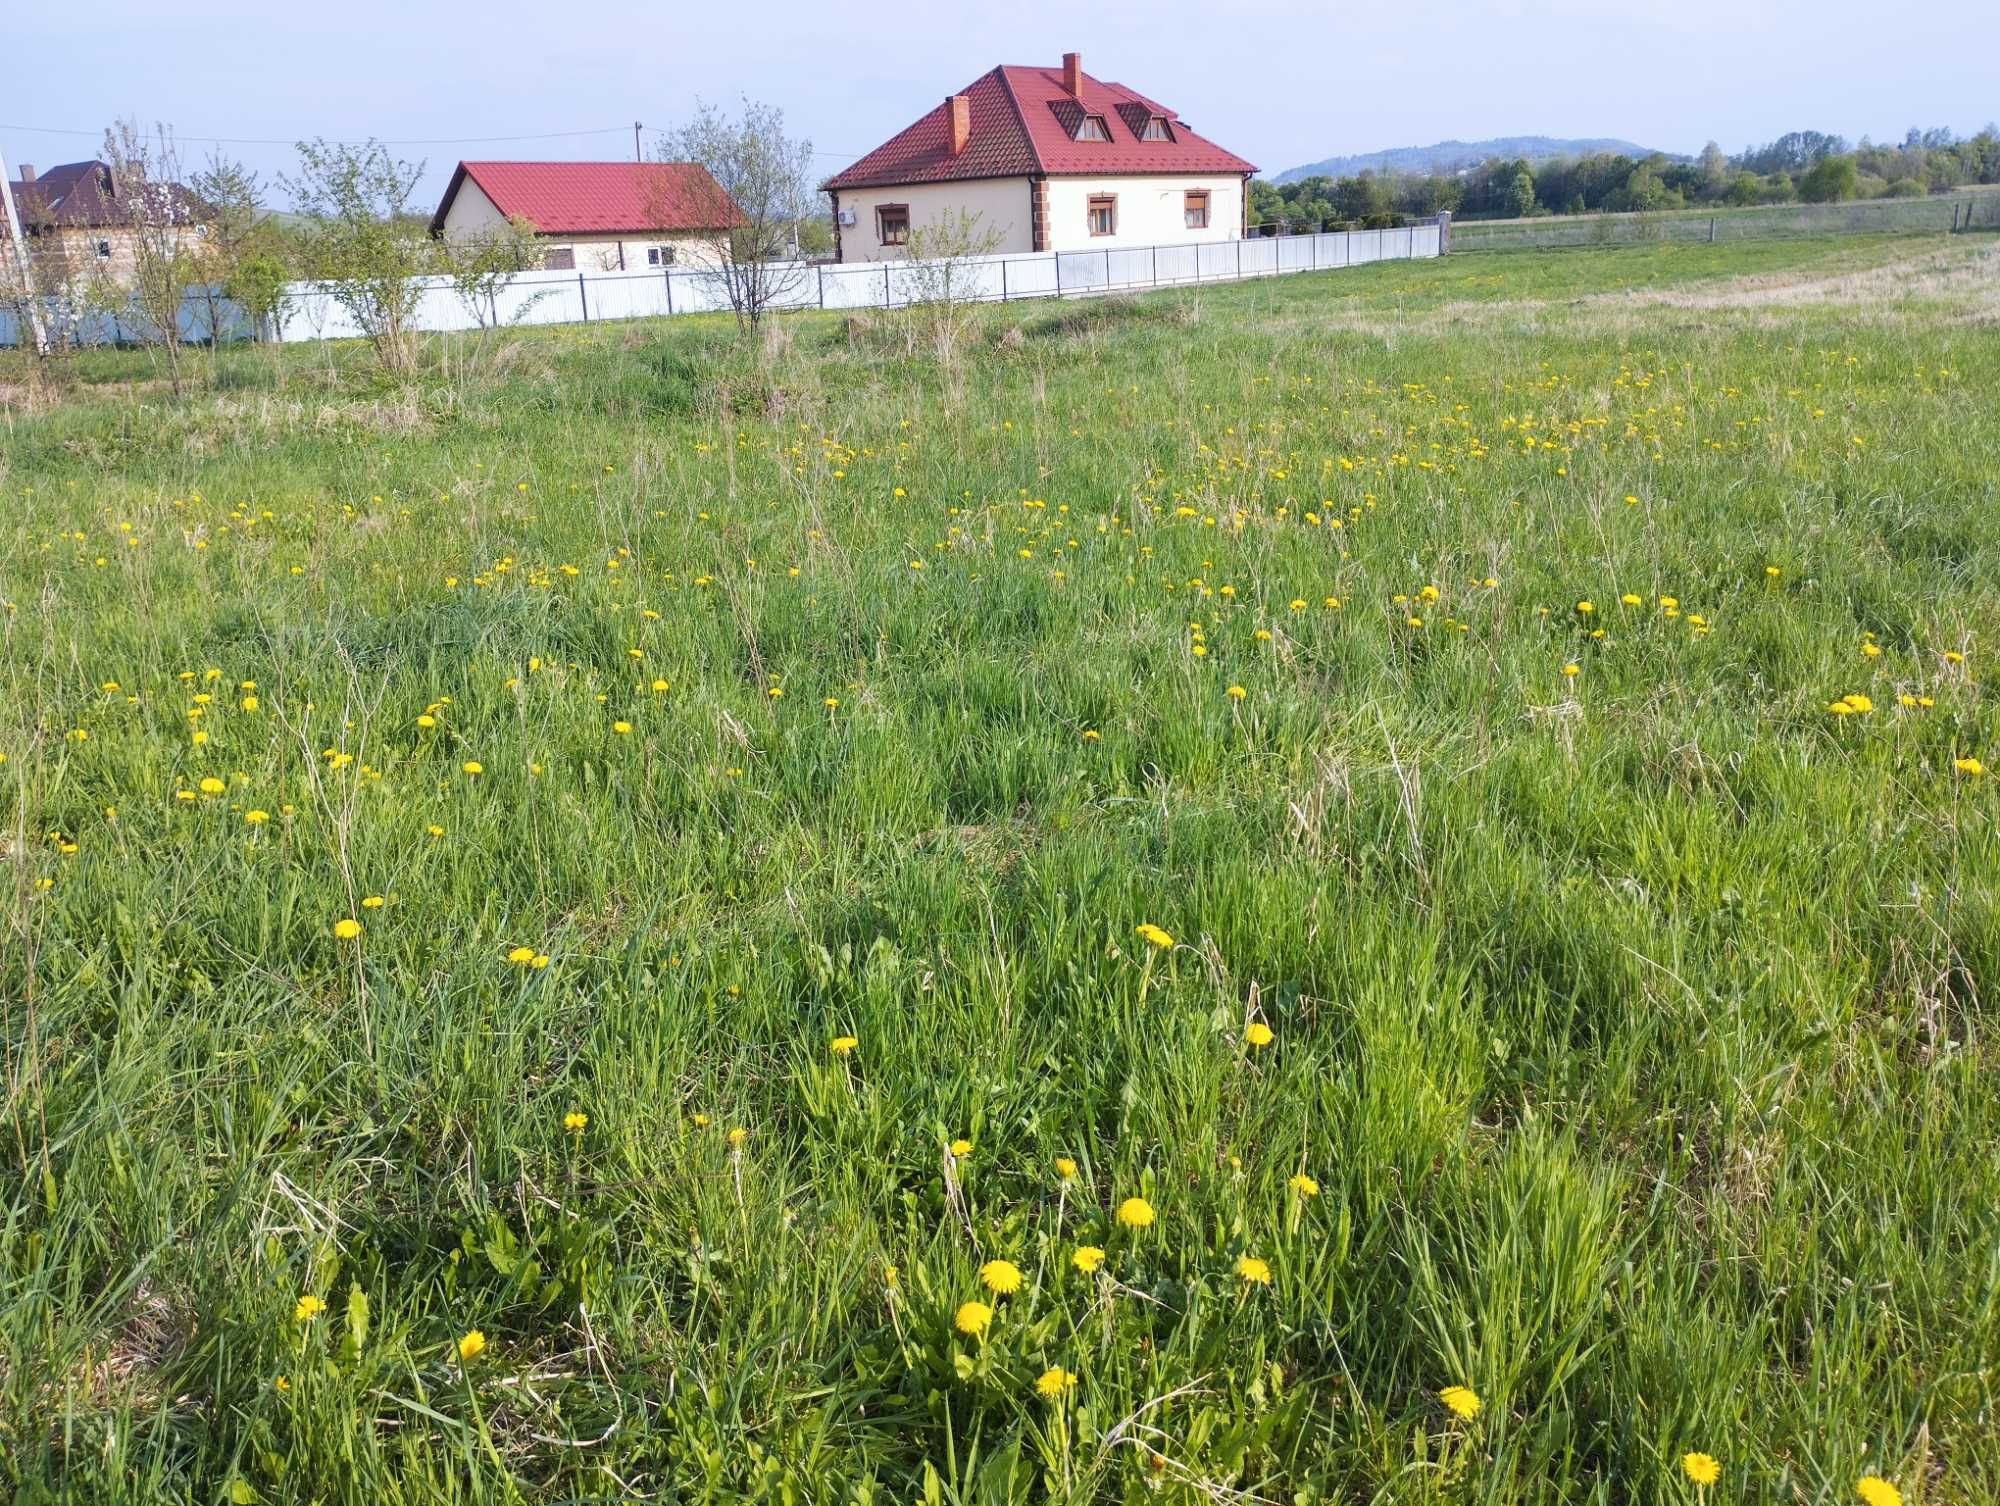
x=1279 y=81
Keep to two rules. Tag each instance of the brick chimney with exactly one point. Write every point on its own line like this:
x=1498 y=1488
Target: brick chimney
x=27 y=172
x=1073 y=74
x=961 y=122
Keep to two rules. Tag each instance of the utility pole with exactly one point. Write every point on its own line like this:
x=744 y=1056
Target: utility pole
x=637 y=155
x=29 y=300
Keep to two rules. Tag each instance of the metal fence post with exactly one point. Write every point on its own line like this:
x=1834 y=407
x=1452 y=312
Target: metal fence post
x=821 y=269
x=885 y=287
x=1003 y=282
x=1239 y=258
x=668 y=273
x=1057 y=255
x=583 y=297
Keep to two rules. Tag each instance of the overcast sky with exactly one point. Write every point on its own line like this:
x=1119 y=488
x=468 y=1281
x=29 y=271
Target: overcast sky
x=1279 y=81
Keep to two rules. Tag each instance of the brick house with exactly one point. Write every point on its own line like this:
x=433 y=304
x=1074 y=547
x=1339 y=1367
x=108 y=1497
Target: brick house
x=1049 y=159
x=595 y=216
x=78 y=220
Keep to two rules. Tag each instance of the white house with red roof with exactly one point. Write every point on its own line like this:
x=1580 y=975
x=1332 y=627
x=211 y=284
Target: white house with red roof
x=1049 y=159
x=594 y=216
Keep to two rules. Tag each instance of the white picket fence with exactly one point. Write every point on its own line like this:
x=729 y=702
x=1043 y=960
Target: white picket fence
x=310 y=312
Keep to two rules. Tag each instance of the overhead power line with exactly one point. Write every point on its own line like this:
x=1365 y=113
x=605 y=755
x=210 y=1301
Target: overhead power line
x=363 y=141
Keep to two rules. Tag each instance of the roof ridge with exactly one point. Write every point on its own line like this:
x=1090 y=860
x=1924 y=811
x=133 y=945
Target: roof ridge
x=1020 y=116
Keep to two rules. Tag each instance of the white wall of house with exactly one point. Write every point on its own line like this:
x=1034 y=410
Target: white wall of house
x=472 y=213
x=1151 y=211
x=1004 y=207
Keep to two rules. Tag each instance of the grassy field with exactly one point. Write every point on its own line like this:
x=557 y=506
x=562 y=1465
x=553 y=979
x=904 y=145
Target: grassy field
x=1977 y=206
x=648 y=919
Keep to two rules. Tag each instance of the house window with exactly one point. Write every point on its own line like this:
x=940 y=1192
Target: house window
x=1196 y=211
x=561 y=260
x=892 y=223
x=1092 y=128
x=1156 y=129
x=1103 y=214
x=659 y=256
x=102 y=249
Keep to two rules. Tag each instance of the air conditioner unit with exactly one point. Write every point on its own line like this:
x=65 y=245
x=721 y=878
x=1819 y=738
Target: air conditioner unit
x=845 y=217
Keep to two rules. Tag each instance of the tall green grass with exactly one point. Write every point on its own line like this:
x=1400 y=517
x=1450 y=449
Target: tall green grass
x=1629 y=1024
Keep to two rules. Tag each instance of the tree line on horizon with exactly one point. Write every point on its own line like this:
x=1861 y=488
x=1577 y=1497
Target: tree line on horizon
x=1799 y=167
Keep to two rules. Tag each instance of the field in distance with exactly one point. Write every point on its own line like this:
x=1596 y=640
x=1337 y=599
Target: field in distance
x=1376 y=886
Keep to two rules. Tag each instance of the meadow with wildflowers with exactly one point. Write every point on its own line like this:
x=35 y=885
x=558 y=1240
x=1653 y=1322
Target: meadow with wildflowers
x=1369 y=888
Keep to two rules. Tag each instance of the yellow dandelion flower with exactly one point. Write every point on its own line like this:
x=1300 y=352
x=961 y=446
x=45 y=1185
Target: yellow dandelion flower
x=347 y=929
x=1258 y=1034
x=575 y=1121
x=843 y=1045
x=212 y=786
x=471 y=1346
x=1303 y=1185
x=307 y=1308
x=737 y=1136
x=473 y=767
x=1255 y=1272
x=521 y=956
x=256 y=817
x=1087 y=1258
x=1154 y=936
x=1001 y=1277
x=1876 y=1491
x=1236 y=692
x=1135 y=1213
x=1703 y=1469
x=1053 y=1382
x=972 y=1318
x=1968 y=766
x=1066 y=1168
x=1462 y=1400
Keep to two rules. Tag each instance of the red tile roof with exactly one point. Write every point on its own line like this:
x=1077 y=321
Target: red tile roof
x=1021 y=124
x=598 y=198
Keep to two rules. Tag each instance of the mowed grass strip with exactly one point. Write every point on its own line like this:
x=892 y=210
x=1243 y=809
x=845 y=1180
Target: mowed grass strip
x=1364 y=887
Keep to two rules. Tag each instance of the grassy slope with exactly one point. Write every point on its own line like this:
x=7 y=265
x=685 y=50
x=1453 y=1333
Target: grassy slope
x=1629 y=1022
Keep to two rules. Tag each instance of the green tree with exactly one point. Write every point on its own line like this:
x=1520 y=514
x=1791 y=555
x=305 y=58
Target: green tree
x=1828 y=181
x=1521 y=194
x=362 y=241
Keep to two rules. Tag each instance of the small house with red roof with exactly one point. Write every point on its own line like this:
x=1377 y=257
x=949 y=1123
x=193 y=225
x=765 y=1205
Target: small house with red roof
x=1048 y=159
x=595 y=216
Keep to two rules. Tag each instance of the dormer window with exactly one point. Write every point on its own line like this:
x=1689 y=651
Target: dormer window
x=1156 y=129
x=1092 y=128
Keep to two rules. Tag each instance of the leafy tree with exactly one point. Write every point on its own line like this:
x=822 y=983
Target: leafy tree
x=163 y=223
x=1828 y=181
x=1521 y=194
x=762 y=189
x=480 y=265
x=236 y=235
x=1714 y=171
x=361 y=239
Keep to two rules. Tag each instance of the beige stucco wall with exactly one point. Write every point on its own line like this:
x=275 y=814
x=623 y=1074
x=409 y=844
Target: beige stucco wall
x=1003 y=205
x=1150 y=211
x=66 y=256
x=473 y=213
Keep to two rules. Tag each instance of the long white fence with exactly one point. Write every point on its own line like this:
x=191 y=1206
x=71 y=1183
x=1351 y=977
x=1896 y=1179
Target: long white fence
x=309 y=312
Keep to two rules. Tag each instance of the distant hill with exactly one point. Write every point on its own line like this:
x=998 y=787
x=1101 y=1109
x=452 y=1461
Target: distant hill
x=1449 y=156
